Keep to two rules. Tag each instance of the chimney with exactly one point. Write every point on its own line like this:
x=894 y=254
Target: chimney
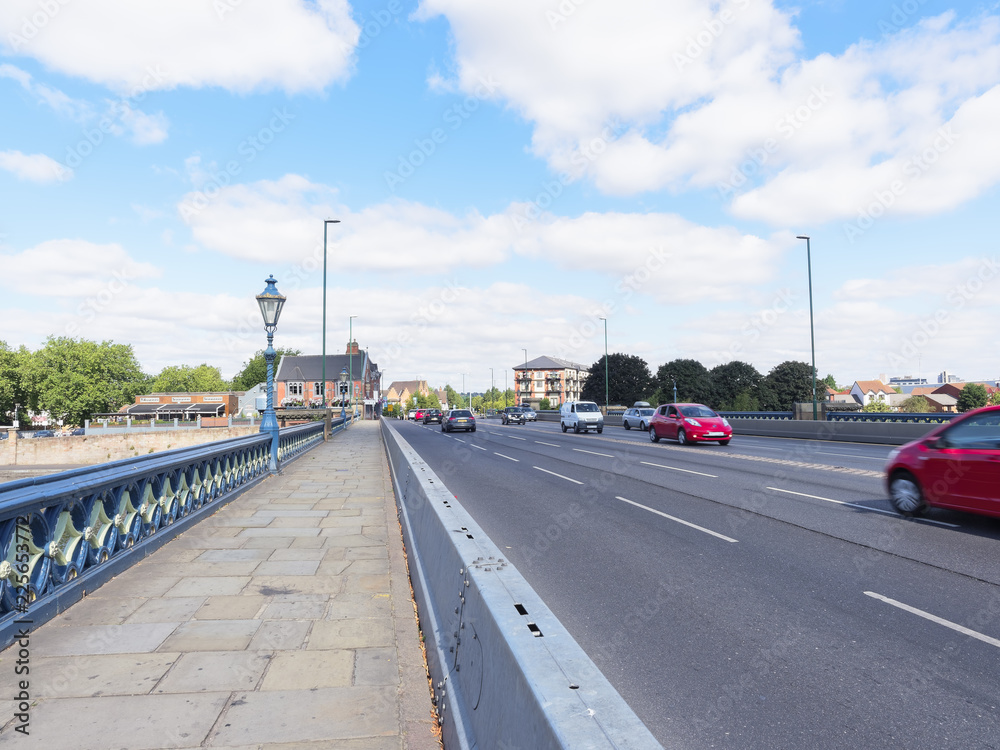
x=352 y=348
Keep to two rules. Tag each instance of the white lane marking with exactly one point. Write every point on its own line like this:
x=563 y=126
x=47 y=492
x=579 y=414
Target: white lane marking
x=593 y=453
x=512 y=437
x=515 y=460
x=674 y=468
x=477 y=446
x=850 y=455
x=551 y=444
x=568 y=479
x=934 y=618
x=678 y=520
x=862 y=507
x=459 y=440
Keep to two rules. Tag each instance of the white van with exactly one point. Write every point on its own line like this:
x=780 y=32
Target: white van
x=581 y=416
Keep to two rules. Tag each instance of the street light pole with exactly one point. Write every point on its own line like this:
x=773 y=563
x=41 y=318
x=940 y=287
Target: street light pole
x=270 y=302
x=325 y=222
x=492 y=386
x=812 y=335
x=607 y=402
x=525 y=373
x=350 y=354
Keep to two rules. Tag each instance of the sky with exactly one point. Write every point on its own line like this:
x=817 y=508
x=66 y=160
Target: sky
x=506 y=173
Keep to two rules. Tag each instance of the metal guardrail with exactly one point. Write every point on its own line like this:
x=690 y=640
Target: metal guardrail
x=757 y=414
x=880 y=416
x=67 y=533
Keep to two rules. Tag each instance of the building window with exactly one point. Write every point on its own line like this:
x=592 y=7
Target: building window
x=295 y=389
x=318 y=389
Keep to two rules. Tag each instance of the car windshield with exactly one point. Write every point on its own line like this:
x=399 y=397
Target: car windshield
x=587 y=407
x=461 y=413
x=645 y=412
x=697 y=411
x=515 y=410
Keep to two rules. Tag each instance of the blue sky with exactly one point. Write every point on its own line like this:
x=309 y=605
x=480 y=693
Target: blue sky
x=506 y=173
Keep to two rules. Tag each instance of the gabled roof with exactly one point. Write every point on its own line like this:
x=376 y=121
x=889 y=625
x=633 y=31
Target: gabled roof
x=551 y=363
x=873 y=386
x=413 y=386
x=309 y=367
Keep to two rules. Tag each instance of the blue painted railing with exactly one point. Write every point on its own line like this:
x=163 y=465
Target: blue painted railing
x=882 y=416
x=67 y=533
x=757 y=414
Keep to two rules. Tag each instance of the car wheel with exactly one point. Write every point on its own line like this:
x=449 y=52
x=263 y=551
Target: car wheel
x=906 y=495
x=600 y=430
x=626 y=425
x=563 y=426
x=642 y=426
x=653 y=437
x=473 y=429
x=576 y=428
x=723 y=442
x=682 y=438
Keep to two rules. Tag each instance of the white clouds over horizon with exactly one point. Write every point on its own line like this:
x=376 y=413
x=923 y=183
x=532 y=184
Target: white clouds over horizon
x=34 y=167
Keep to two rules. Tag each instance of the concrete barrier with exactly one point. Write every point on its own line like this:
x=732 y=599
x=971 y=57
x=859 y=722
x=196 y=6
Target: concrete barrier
x=505 y=672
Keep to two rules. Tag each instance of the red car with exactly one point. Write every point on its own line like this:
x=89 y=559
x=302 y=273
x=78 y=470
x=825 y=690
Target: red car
x=689 y=423
x=955 y=466
x=419 y=416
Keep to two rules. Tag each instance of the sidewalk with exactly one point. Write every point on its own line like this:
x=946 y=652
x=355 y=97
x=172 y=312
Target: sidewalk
x=283 y=621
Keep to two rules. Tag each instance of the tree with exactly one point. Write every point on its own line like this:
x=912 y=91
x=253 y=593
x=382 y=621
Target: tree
x=13 y=386
x=876 y=405
x=915 y=405
x=994 y=399
x=830 y=382
x=972 y=396
x=735 y=384
x=693 y=382
x=185 y=379
x=254 y=371
x=544 y=404
x=629 y=377
x=428 y=400
x=73 y=379
x=791 y=382
x=455 y=399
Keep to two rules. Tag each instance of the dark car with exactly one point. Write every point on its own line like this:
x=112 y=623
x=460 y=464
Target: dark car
x=77 y=431
x=689 y=424
x=432 y=415
x=458 y=419
x=513 y=415
x=956 y=465
x=43 y=434
x=637 y=416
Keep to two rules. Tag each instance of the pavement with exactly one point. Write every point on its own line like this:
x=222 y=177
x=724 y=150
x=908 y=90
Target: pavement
x=285 y=620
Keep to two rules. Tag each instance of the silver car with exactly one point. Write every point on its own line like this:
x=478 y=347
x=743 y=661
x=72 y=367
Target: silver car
x=637 y=417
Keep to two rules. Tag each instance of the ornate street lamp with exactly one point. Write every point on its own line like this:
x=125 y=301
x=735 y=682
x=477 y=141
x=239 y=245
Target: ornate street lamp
x=343 y=394
x=271 y=301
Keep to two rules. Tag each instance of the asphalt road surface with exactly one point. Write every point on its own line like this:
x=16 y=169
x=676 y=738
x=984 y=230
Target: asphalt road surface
x=758 y=595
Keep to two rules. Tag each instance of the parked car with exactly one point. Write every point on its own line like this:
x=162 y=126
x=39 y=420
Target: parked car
x=689 y=424
x=581 y=416
x=637 y=416
x=432 y=415
x=43 y=434
x=529 y=414
x=512 y=415
x=956 y=465
x=411 y=414
x=77 y=431
x=458 y=419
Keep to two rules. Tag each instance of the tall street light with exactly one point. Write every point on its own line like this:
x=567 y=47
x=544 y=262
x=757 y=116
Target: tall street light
x=492 y=387
x=325 y=222
x=350 y=354
x=525 y=373
x=606 y=401
x=812 y=335
x=271 y=302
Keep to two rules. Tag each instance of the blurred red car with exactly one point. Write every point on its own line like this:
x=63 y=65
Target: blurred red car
x=689 y=423
x=954 y=466
x=418 y=416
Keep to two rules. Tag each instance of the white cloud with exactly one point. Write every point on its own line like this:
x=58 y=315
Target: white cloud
x=164 y=44
x=75 y=268
x=642 y=95
x=34 y=167
x=56 y=100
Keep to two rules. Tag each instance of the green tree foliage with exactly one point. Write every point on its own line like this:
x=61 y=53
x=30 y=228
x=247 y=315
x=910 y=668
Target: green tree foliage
x=693 y=382
x=72 y=379
x=830 y=382
x=915 y=405
x=877 y=405
x=544 y=404
x=972 y=396
x=994 y=399
x=629 y=377
x=254 y=371
x=735 y=386
x=13 y=384
x=788 y=383
x=455 y=399
x=185 y=379
x=428 y=401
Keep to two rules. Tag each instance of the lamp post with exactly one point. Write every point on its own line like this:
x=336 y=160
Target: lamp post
x=350 y=354
x=525 y=373
x=675 y=389
x=325 y=222
x=606 y=401
x=812 y=335
x=271 y=302
x=343 y=386
x=492 y=387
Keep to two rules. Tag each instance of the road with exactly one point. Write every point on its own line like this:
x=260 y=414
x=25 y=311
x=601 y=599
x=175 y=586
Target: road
x=758 y=595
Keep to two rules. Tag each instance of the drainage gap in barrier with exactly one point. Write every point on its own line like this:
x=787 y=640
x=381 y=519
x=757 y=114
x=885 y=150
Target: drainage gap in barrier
x=535 y=630
x=520 y=609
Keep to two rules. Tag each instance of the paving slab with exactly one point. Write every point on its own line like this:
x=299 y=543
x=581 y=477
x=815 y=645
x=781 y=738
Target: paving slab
x=284 y=621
